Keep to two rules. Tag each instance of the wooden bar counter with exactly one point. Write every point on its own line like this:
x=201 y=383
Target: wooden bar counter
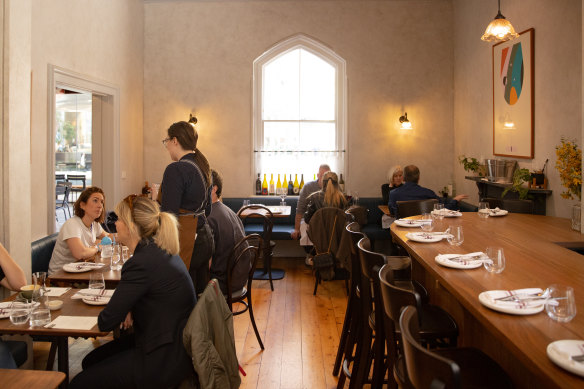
x=533 y=259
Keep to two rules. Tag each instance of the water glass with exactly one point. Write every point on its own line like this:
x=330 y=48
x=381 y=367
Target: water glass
x=125 y=254
x=438 y=213
x=106 y=251
x=40 y=315
x=497 y=260
x=116 y=261
x=561 y=305
x=96 y=281
x=355 y=198
x=246 y=203
x=427 y=222
x=483 y=210
x=455 y=237
x=19 y=311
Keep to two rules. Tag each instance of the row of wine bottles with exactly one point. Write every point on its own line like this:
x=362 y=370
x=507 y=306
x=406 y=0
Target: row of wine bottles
x=281 y=187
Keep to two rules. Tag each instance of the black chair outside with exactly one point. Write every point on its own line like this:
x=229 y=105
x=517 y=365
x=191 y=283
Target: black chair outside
x=62 y=190
x=77 y=178
x=248 y=246
x=267 y=250
x=414 y=207
x=438 y=328
x=326 y=230
x=446 y=368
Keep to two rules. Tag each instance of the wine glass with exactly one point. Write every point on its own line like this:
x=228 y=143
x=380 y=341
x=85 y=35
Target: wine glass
x=96 y=281
x=561 y=305
x=496 y=262
x=483 y=209
x=438 y=213
x=116 y=258
x=427 y=222
x=455 y=237
x=283 y=192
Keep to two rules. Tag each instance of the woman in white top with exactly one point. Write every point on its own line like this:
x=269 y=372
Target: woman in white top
x=78 y=236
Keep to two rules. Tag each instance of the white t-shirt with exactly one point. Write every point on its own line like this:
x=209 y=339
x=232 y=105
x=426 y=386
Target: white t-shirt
x=73 y=228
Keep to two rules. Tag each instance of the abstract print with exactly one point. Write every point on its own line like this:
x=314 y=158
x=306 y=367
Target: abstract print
x=511 y=74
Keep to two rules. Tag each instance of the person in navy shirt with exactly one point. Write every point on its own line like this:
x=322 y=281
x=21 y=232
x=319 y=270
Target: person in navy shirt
x=410 y=190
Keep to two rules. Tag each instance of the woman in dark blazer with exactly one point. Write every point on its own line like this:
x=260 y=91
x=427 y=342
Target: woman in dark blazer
x=155 y=296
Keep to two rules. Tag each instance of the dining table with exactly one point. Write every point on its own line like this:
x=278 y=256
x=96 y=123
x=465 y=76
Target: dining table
x=111 y=277
x=538 y=251
x=71 y=310
x=36 y=379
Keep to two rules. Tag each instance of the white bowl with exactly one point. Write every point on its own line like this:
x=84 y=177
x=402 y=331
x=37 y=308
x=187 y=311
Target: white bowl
x=55 y=304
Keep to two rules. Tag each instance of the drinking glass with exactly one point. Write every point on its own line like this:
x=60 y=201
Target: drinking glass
x=483 y=210
x=283 y=192
x=497 y=260
x=427 y=222
x=96 y=281
x=246 y=203
x=106 y=251
x=438 y=213
x=355 y=198
x=40 y=313
x=456 y=237
x=561 y=305
x=19 y=311
x=116 y=263
x=38 y=279
x=125 y=254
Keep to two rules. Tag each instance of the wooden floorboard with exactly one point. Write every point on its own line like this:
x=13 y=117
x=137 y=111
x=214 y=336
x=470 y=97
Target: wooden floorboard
x=300 y=333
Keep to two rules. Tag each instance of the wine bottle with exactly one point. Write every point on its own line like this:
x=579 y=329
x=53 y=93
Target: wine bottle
x=278 y=185
x=290 y=186
x=342 y=184
x=284 y=184
x=258 y=187
x=314 y=178
x=296 y=186
x=146 y=190
x=265 y=186
x=272 y=187
x=302 y=182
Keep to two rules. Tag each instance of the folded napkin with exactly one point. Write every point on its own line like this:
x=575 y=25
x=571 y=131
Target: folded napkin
x=56 y=292
x=5 y=304
x=409 y=221
x=386 y=221
x=92 y=293
x=73 y=322
x=466 y=259
x=523 y=296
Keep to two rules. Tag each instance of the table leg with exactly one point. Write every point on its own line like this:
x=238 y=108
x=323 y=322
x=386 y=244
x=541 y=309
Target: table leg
x=63 y=355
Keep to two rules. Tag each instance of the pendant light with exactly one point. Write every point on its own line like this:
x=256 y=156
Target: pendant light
x=500 y=29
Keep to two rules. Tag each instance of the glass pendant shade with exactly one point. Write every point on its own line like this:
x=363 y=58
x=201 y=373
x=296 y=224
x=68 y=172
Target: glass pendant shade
x=500 y=29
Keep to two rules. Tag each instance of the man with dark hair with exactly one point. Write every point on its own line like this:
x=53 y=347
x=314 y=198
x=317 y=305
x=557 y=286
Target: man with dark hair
x=227 y=231
x=410 y=190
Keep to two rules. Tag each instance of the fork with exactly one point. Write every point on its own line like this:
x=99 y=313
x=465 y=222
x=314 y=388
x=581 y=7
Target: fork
x=578 y=358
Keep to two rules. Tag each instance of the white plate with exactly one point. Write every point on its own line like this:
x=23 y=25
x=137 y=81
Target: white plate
x=407 y=223
x=511 y=308
x=449 y=213
x=97 y=300
x=424 y=237
x=5 y=309
x=500 y=212
x=442 y=259
x=77 y=267
x=561 y=351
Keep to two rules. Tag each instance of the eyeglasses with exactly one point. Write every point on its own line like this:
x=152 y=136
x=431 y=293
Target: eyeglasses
x=165 y=141
x=130 y=201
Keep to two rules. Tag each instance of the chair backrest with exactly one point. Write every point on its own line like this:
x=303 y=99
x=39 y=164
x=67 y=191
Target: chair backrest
x=395 y=298
x=512 y=205
x=247 y=249
x=77 y=177
x=260 y=212
x=41 y=252
x=320 y=228
x=356 y=235
x=359 y=214
x=425 y=368
x=414 y=207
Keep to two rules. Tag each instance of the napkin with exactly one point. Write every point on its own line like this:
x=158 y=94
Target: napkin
x=73 y=322
x=56 y=292
x=92 y=292
x=520 y=293
x=409 y=221
x=465 y=259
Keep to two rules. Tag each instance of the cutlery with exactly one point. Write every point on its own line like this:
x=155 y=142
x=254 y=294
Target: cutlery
x=521 y=296
x=50 y=325
x=467 y=257
x=578 y=358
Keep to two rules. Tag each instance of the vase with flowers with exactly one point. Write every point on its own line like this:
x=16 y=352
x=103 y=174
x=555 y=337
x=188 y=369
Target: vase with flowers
x=569 y=165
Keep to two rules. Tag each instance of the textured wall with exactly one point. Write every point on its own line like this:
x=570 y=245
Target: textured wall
x=198 y=58
x=558 y=83
x=103 y=40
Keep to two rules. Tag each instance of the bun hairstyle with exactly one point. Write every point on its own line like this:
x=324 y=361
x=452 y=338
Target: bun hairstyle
x=333 y=197
x=84 y=198
x=187 y=137
x=144 y=220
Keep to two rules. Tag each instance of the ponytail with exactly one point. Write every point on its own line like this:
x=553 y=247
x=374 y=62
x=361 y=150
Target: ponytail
x=166 y=236
x=203 y=164
x=333 y=197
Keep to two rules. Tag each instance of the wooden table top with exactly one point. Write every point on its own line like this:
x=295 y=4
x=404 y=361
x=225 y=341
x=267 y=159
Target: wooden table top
x=384 y=209
x=70 y=308
x=533 y=259
x=37 y=379
x=111 y=277
x=278 y=211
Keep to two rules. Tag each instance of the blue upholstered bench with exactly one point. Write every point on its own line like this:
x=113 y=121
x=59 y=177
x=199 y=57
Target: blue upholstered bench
x=41 y=252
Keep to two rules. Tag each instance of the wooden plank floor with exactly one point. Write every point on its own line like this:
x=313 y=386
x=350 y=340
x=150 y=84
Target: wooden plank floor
x=300 y=333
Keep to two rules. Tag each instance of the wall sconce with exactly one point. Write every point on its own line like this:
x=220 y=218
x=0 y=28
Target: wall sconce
x=405 y=123
x=500 y=29
x=192 y=120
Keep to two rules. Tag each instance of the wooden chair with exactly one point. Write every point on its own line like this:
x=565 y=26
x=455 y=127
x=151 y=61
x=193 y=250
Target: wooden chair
x=267 y=250
x=446 y=368
x=438 y=328
x=414 y=207
x=359 y=214
x=248 y=247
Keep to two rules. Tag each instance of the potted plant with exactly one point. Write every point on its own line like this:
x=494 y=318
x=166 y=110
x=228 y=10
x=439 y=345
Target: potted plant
x=471 y=165
x=520 y=176
x=569 y=165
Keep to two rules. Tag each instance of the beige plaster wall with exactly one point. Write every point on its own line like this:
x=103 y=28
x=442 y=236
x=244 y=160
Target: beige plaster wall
x=102 y=39
x=558 y=83
x=199 y=55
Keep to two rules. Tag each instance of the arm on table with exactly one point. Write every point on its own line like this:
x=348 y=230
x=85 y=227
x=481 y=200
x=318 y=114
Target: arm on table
x=14 y=276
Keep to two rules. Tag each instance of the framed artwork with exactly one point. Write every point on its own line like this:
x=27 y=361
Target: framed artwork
x=513 y=90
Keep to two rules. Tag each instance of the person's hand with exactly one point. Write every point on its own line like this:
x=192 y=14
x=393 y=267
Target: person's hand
x=295 y=234
x=461 y=197
x=128 y=322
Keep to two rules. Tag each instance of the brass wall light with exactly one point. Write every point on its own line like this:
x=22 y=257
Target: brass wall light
x=405 y=123
x=192 y=120
x=500 y=29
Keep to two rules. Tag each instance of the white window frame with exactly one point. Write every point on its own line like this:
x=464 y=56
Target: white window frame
x=326 y=54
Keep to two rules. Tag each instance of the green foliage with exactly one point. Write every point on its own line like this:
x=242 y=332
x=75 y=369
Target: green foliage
x=469 y=164
x=520 y=176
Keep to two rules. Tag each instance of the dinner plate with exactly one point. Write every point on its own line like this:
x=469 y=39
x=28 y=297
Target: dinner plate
x=77 y=267
x=443 y=259
x=561 y=351
x=500 y=212
x=424 y=237
x=90 y=293
x=510 y=307
x=5 y=310
x=276 y=211
x=97 y=300
x=408 y=223
x=448 y=213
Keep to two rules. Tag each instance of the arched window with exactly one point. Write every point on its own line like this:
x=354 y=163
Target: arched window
x=299 y=109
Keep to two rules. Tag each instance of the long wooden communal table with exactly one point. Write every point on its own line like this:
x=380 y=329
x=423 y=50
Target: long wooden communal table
x=534 y=259
x=70 y=308
x=111 y=277
x=35 y=379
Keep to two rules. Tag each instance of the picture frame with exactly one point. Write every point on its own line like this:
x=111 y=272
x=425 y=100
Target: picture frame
x=513 y=97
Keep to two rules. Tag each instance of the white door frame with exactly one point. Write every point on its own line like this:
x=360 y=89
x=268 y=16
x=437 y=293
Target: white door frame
x=108 y=162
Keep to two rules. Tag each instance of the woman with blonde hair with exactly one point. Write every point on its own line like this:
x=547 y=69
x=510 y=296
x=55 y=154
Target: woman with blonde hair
x=329 y=196
x=395 y=177
x=155 y=296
